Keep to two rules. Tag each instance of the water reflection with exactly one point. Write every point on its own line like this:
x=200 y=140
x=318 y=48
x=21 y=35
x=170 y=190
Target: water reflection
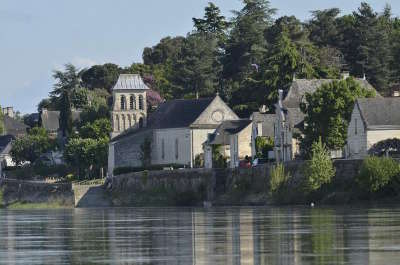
x=196 y=236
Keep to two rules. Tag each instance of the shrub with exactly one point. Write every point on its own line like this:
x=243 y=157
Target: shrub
x=319 y=170
x=377 y=172
x=278 y=178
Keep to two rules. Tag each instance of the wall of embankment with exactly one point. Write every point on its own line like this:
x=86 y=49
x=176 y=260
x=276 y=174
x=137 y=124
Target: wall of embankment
x=33 y=192
x=187 y=187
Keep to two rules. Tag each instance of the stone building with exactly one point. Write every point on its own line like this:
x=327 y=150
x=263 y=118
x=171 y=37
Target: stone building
x=176 y=130
x=129 y=103
x=263 y=126
x=372 y=120
x=290 y=119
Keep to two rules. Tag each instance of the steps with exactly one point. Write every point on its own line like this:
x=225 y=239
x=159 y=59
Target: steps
x=90 y=196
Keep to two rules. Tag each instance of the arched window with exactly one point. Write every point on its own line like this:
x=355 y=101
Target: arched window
x=117 y=126
x=123 y=122
x=141 y=123
x=132 y=102
x=129 y=121
x=141 y=106
x=123 y=102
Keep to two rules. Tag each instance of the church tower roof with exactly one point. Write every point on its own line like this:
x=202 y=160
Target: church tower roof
x=130 y=82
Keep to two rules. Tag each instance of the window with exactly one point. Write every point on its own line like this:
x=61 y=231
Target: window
x=123 y=102
x=141 y=106
x=355 y=126
x=162 y=149
x=117 y=123
x=176 y=149
x=141 y=123
x=129 y=121
x=132 y=102
x=123 y=122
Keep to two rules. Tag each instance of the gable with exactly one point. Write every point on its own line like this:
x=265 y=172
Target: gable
x=215 y=113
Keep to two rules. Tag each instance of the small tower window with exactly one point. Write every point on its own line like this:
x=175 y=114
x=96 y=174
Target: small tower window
x=117 y=123
x=123 y=102
x=141 y=103
x=123 y=122
x=132 y=102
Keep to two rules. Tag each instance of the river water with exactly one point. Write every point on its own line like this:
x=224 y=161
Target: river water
x=201 y=236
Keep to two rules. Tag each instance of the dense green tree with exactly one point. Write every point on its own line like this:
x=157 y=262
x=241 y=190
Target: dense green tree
x=30 y=147
x=164 y=52
x=98 y=129
x=101 y=76
x=323 y=27
x=68 y=82
x=328 y=112
x=196 y=71
x=213 y=22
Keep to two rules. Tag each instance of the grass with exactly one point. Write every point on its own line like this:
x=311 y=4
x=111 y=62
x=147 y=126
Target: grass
x=37 y=206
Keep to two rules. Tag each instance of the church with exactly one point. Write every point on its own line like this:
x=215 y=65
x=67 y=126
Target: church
x=177 y=129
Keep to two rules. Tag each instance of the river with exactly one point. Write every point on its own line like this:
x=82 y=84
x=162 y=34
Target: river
x=257 y=235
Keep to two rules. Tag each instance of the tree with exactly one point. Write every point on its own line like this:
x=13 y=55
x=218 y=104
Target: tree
x=98 y=129
x=323 y=27
x=101 y=76
x=385 y=147
x=30 y=147
x=68 y=82
x=2 y=129
x=328 y=112
x=213 y=22
x=319 y=170
x=86 y=155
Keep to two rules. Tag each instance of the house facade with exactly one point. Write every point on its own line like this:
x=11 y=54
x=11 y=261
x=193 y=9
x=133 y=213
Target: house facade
x=372 y=120
x=263 y=125
x=290 y=119
x=177 y=131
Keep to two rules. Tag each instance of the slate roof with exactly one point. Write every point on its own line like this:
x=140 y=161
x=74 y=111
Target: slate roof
x=267 y=121
x=129 y=82
x=178 y=113
x=14 y=127
x=227 y=128
x=50 y=120
x=300 y=87
x=4 y=141
x=380 y=113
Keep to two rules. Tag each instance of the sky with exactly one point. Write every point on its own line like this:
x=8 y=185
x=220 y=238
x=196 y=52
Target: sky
x=39 y=36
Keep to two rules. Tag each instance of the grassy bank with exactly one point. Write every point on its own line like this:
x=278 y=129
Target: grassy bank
x=37 y=206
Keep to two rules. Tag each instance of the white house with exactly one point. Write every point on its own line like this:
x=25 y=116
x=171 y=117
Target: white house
x=372 y=120
x=290 y=119
x=176 y=130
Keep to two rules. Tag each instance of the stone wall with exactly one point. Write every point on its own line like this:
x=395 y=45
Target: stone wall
x=36 y=192
x=219 y=186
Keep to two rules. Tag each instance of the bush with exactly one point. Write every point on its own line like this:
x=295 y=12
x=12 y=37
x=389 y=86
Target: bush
x=319 y=170
x=377 y=172
x=278 y=178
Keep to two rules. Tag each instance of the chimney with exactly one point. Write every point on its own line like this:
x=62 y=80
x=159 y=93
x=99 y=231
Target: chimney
x=364 y=77
x=263 y=109
x=396 y=93
x=280 y=91
x=345 y=75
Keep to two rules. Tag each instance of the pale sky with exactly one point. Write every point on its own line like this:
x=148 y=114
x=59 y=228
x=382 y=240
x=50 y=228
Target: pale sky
x=39 y=36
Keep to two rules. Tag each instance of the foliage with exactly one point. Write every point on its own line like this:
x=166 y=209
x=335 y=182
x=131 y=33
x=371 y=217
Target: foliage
x=328 y=112
x=145 y=152
x=377 y=172
x=101 y=76
x=212 y=23
x=385 y=147
x=99 y=129
x=199 y=161
x=319 y=170
x=2 y=129
x=263 y=145
x=30 y=147
x=86 y=155
x=218 y=160
x=68 y=83
x=278 y=178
